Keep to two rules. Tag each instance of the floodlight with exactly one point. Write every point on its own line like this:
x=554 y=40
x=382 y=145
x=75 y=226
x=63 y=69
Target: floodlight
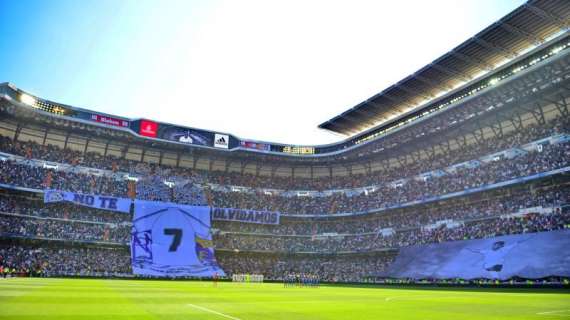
x=27 y=99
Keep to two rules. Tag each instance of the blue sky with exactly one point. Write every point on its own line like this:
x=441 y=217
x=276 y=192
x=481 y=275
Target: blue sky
x=265 y=70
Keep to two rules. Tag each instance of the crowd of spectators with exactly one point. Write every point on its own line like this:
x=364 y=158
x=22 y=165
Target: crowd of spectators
x=328 y=268
x=277 y=256
x=33 y=150
x=388 y=195
x=280 y=249
x=273 y=264
x=153 y=187
x=462 y=221
x=43 y=228
x=67 y=261
x=487 y=204
x=479 y=229
x=90 y=261
x=27 y=176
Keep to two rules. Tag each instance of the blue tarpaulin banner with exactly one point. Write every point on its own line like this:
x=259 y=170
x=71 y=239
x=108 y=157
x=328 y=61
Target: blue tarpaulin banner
x=172 y=240
x=88 y=200
x=530 y=256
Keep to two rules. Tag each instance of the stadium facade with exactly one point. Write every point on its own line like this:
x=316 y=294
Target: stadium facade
x=473 y=146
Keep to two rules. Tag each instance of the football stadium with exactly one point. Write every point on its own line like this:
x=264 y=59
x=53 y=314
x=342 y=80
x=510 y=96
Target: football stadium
x=447 y=197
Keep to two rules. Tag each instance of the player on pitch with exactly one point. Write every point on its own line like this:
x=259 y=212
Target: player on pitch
x=215 y=278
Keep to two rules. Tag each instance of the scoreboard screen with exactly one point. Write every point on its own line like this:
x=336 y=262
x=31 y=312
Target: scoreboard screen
x=298 y=150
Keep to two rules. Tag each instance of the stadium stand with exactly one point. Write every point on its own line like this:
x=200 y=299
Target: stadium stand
x=489 y=158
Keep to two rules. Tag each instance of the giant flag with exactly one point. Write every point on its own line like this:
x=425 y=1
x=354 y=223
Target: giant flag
x=172 y=240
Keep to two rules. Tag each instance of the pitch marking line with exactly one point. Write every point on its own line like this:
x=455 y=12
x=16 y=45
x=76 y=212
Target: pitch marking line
x=555 y=313
x=422 y=297
x=213 y=311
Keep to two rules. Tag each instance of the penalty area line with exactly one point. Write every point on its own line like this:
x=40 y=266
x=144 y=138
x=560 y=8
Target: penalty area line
x=213 y=311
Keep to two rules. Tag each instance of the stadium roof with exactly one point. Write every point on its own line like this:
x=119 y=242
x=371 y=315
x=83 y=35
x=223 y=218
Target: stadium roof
x=521 y=30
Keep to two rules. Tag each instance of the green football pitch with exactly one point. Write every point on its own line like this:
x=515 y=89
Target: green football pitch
x=24 y=298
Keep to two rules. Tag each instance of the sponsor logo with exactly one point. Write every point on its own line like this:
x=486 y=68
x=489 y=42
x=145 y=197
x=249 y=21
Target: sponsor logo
x=148 y=128
x=110 y=121
x=255 y=145
x=221 y=141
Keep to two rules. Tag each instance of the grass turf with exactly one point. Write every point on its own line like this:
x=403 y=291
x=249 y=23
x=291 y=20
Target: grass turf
x=129 y=299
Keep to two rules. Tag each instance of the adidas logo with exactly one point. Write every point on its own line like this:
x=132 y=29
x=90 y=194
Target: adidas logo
x=221 y=141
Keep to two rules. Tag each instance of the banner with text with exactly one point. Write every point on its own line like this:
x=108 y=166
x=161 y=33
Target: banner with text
x=530 y=255
x=171 y=240
x=247 y=216
x=88 y=200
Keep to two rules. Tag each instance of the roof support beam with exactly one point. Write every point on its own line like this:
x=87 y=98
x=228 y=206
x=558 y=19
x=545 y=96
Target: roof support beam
x=561 y=105
x=538 y=114
x=372 y=119
x=461 y=141
x=509 y=54
x=106 y=148
x=124 y=151
x=385 y=165
x=369 y=113
x=68 y=133
x=416 y=156
x=403 y=160
x=433 y=83
x=451 y=72
x=517 y=122
x=497 y=129
x=335 y=127
x=211 y=164
x=529 y=36
x=273 y=170
x=195 y=161
x=431 y=152
x=45 y=137
x=84 y=148
x=548 y=16
x=478 y=135
x=380 y=110
x=368 y=166
x=17 y=131
x=414 y=92
x=473 y=61
x=397 y=100
x=348 y=168
x=358 y=121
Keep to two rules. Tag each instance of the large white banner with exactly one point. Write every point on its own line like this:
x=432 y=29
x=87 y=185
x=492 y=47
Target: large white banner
x=530 y=255
x=172 y=240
